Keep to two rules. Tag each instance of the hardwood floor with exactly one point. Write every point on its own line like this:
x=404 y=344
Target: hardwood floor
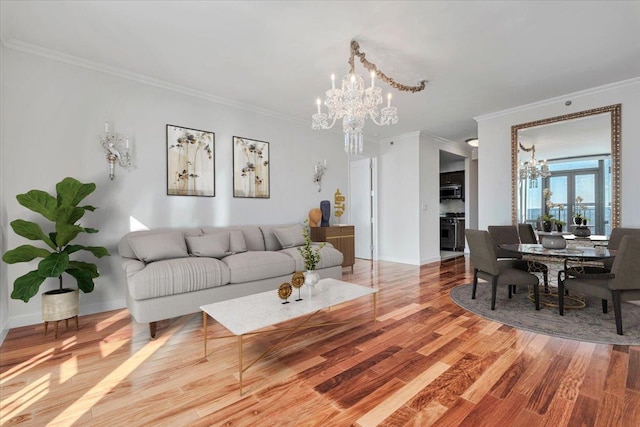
x=425 y=362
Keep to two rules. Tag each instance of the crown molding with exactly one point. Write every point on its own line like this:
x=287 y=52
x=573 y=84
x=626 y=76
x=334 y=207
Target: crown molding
x=546 y=102
x=55 y=55
x=462 y=145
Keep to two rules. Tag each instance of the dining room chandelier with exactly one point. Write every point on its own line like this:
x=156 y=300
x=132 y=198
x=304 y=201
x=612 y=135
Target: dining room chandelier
x=353 y=103
x=533 y=169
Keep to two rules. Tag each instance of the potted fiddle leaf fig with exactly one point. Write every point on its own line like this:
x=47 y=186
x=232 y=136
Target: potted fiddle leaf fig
x=63 y=213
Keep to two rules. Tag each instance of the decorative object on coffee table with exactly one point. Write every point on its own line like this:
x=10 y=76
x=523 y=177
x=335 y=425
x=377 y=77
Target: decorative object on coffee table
x=251 y=168
x=325 y=207
x=64 y=213
x=339 y=204
x=311 y=256
x=315 y=216
x=190 y=162
x=311 y=278
x=284 y=292
x=297 y=280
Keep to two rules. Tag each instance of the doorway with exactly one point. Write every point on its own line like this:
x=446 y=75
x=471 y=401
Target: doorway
x=362 y=189
x=452 y=206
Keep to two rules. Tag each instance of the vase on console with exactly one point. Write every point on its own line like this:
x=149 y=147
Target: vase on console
x=325 y=208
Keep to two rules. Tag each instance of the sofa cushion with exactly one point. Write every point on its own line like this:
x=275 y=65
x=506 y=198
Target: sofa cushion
x=271 y=242
x=289 y=236
x=155 y=247
x=214 y=245
x=256 y=265
x=126 y=251
x=251 y=234
x=329 y=257
x=238 y=244
x=177 y=276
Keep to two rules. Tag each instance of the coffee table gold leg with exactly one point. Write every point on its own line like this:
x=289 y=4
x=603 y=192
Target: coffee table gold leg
x=204 y=326
x=240 y=361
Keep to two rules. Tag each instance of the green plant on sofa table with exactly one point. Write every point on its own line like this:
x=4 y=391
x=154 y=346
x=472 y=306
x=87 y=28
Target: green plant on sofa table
x=64 y=213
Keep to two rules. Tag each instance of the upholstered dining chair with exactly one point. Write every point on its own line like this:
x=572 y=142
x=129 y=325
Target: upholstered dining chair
x=527 y=235
x=614 y=241
x=508 y=235
x=621 y=284
x=486 y=266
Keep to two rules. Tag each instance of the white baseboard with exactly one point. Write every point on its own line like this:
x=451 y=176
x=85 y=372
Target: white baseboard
x=35 y=318
x=398 y=260
x=430 y=260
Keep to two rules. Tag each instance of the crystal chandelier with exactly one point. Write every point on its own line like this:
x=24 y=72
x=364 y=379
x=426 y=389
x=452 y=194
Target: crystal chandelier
x=353 y=103
x=532 y=170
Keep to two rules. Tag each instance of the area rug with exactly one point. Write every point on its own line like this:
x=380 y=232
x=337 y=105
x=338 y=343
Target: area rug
x=587 y=324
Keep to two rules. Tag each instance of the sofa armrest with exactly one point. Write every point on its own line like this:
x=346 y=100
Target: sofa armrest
x=132 y=266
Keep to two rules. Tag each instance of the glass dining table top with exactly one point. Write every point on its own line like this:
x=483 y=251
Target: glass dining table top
x=585 y=252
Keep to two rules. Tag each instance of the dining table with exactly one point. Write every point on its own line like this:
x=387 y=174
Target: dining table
x=575 y=257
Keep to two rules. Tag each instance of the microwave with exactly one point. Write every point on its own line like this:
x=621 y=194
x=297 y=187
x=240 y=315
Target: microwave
x=451 y=191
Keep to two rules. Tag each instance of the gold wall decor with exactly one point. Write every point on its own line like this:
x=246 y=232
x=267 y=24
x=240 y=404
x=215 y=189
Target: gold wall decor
x=297 y=280
x=339 y=204
x=284 y=292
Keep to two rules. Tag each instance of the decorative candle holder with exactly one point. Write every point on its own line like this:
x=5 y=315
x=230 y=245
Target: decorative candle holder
x=284 y=292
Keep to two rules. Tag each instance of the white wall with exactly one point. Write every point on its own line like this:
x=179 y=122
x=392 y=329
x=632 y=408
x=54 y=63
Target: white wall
x=494 y=152
x=398 y=201
x=471 y=195
x=4 y=290
x=429 y=199
x=409 y=203
x=52 y=115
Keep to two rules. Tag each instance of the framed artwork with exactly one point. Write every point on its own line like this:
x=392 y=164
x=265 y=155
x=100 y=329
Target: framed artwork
x=251 y=168
x=190 y=162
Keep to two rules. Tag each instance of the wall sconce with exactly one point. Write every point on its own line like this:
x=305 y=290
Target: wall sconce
x=116 y=145
x=320 y=167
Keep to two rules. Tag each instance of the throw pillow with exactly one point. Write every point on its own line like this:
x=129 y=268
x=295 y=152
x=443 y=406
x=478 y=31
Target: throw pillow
x=289 y=236
x=156 y=247
x=237 y=242
x=214 y=245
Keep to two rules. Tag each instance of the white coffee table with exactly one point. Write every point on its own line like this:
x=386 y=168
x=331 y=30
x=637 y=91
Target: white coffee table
x=249 y=315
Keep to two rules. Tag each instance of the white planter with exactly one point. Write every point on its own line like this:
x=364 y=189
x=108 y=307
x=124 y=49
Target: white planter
x=311 y=277
x=57 y=305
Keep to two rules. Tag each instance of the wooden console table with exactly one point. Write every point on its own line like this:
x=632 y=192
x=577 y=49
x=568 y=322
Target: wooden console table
x=342 y=237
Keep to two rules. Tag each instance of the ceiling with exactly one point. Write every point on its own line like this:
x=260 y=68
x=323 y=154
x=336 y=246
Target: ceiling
x=479 y=57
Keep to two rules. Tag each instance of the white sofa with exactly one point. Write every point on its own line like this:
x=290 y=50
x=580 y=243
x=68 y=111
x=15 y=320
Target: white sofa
x=172 y=272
